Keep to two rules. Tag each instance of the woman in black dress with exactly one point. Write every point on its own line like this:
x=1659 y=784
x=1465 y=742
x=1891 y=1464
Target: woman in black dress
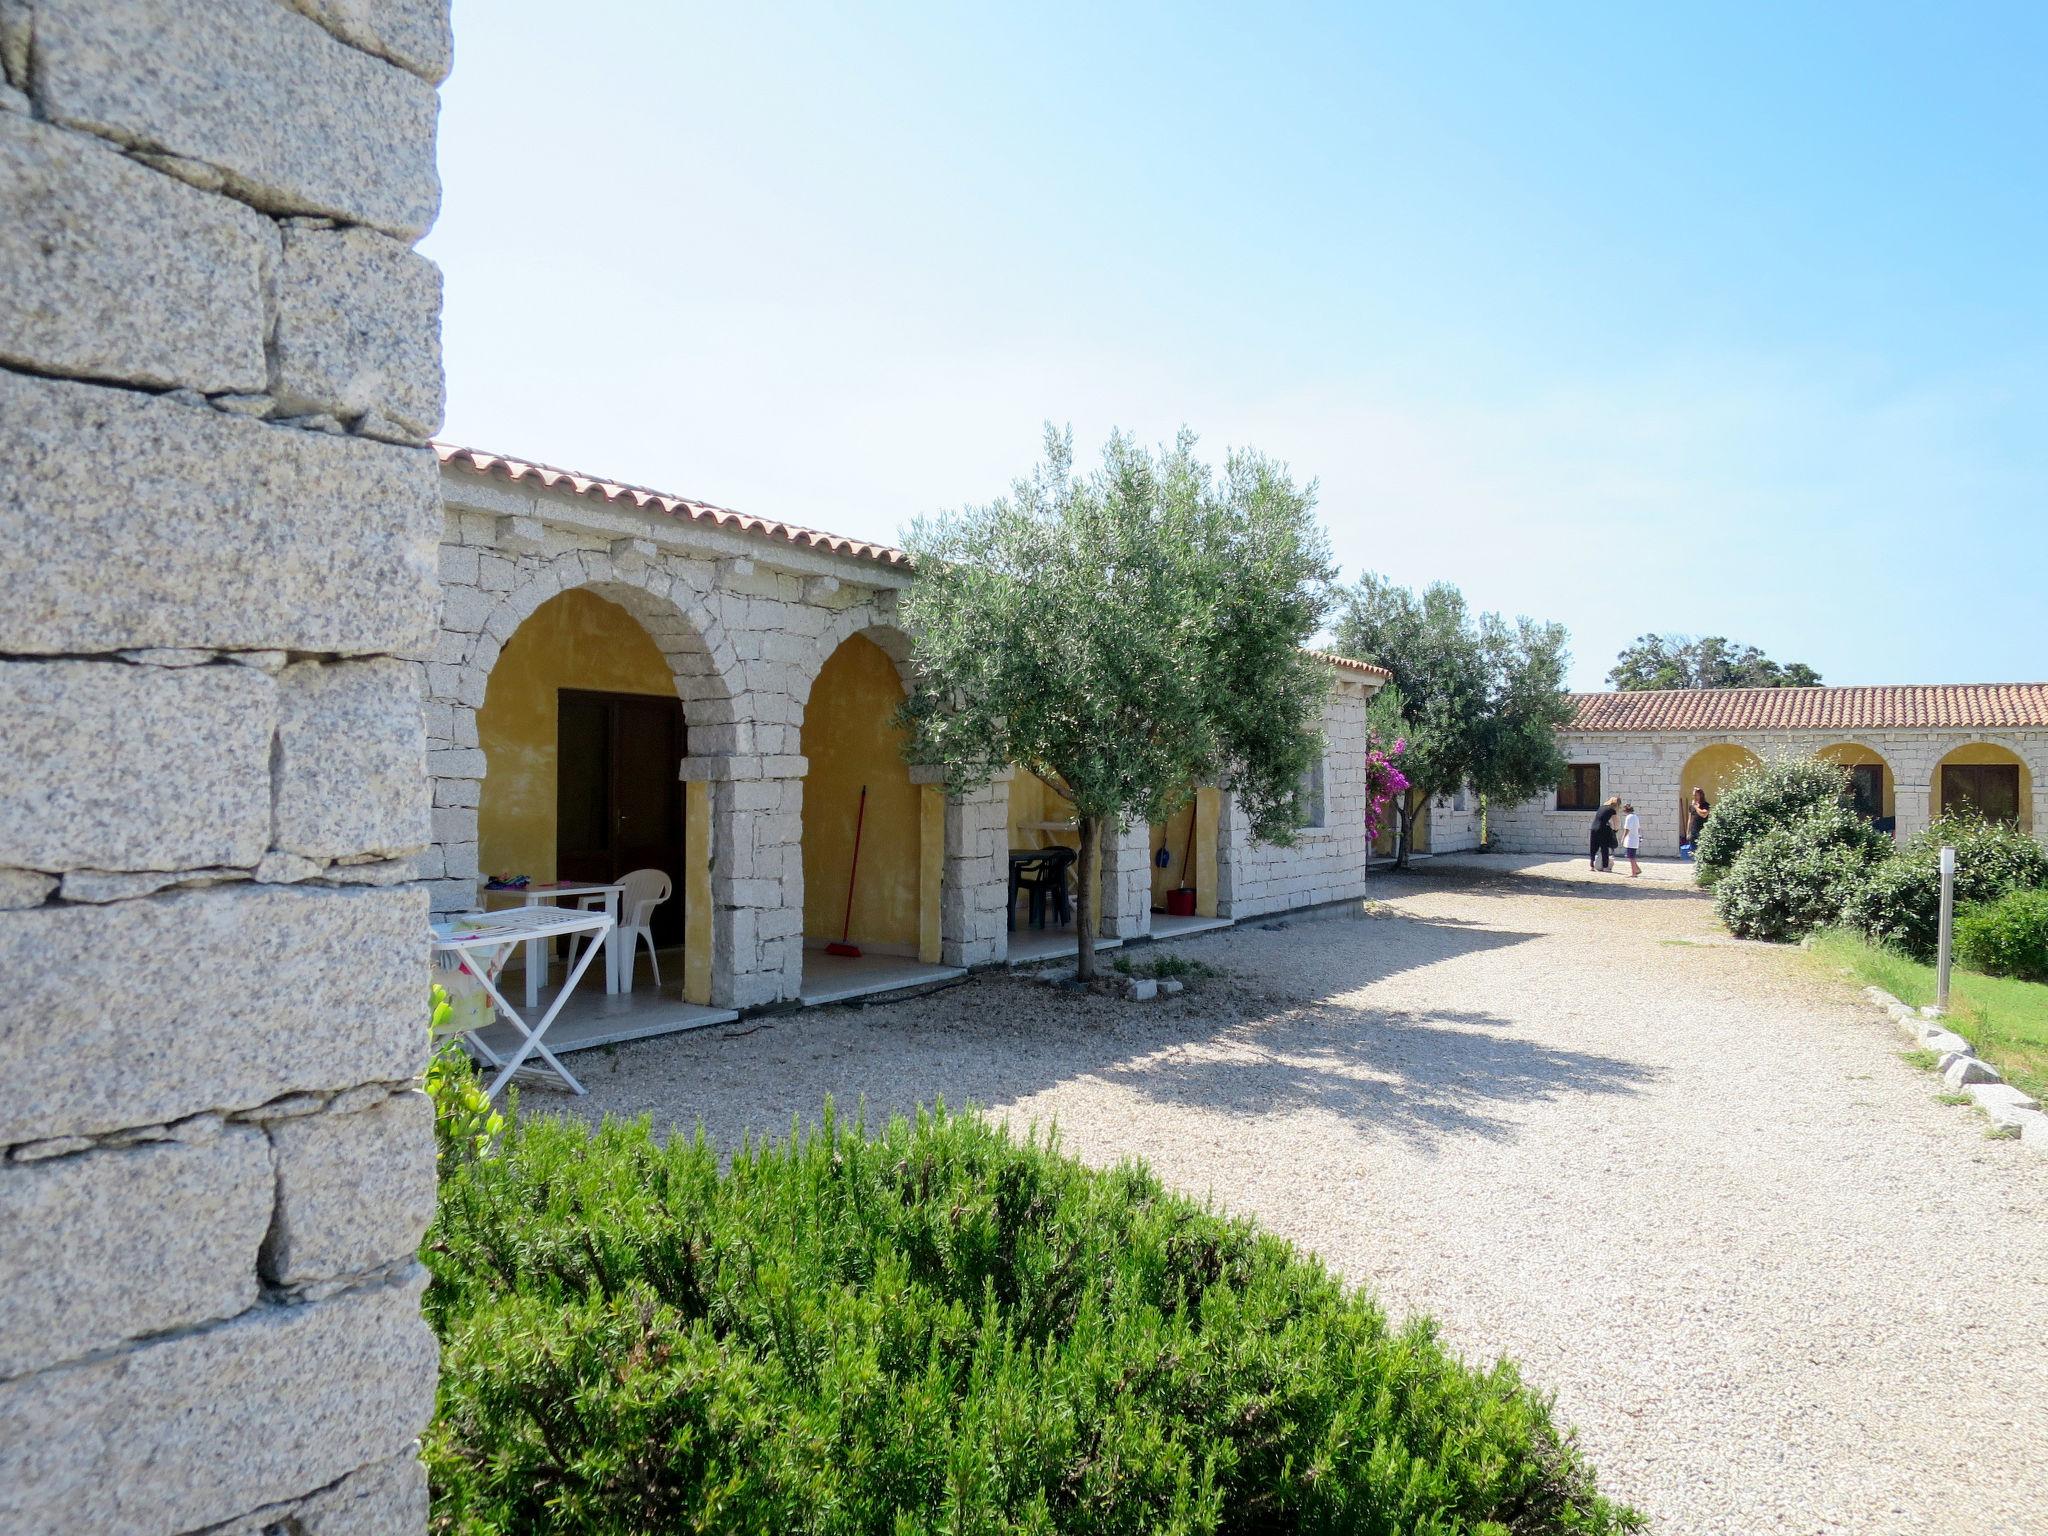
x=1600 y=854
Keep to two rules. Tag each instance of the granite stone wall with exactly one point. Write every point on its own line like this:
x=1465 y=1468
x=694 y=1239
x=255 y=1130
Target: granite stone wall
x=218 y=367
x=1327 y=862
x=1645 y=768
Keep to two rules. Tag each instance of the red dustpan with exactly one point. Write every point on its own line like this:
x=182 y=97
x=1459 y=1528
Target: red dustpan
x=839 y=946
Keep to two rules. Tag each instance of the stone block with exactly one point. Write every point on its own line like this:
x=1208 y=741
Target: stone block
x=1944 y=1042
x=387 y=1499
x=1959 y=1070
x=297 y=121
x=110 y=766
x=135 y=520
x=350 y=770
x=2004 y=1103
x=465 y=610
x=413 y=34
x=454 y=824
x=358 y=329
x=354 y=1191
x=167 y=294
x=107 y=1246
x=21 y=888
x=200 y=1428
x=225 y=998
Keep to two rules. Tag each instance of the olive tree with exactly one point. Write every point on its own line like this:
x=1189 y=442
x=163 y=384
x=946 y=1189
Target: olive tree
x=1481 y=699
x=1126 y=635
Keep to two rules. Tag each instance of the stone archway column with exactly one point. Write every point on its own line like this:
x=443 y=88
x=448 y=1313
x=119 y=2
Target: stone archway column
x=753 y=807
x=1127 y=881
x=1913 y=809
x=974 y=870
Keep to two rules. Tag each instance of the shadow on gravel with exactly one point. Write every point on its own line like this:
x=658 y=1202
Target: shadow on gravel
x=1279 y=1032
x=1388 y=884
x=1419 y=1076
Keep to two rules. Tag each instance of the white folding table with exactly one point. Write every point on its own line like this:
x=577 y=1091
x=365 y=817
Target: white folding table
x=617 y=971
x=484 y=941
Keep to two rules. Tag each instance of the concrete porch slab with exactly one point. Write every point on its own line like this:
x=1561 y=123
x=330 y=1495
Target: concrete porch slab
x=1164 y=927
x=839 y=978
x=1029 y=946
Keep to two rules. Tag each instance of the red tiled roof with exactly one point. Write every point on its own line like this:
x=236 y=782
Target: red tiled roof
x=478 y=462
x=1350 y=664
x=1946 y=706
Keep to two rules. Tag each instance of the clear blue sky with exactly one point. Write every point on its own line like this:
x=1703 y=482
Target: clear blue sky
x=1728 y=320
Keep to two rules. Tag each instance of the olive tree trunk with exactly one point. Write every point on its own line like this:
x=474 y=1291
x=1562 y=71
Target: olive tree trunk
x=1084 y=897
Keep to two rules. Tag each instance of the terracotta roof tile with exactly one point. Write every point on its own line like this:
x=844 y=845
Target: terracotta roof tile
x=1351 y=664
x=517 y=470
x=1947 y=706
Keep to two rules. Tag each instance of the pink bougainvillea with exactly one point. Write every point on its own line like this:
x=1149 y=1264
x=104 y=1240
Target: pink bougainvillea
x=1384 y=782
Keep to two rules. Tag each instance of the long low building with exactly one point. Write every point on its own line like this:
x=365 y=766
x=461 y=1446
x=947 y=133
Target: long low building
x=1913 y=754
x=629 y=680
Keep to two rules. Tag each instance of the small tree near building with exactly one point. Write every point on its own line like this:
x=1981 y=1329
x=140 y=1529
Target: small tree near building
x=1127 y=636
x=1481 y=699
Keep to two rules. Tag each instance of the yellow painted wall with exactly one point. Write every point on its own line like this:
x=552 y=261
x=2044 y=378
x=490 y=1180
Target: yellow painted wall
x=851 y=739
x=1204 y=811
x=575 y=639
x=1712 y=769
x=1033 y=800
x=1984 y=752
x=1853 y=754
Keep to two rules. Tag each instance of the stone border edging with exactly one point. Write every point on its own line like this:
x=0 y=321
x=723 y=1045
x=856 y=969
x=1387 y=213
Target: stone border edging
x=2013 y=1113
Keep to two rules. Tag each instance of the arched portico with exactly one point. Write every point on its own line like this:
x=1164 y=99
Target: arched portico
x=1873 y=785
x=1712 y=768
x=1987 y=777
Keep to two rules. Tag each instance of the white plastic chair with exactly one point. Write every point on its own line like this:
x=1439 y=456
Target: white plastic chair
x=639 y=894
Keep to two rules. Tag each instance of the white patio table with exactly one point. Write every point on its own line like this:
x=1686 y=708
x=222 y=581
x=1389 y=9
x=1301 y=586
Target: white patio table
x=484 y=941
x=537 y=951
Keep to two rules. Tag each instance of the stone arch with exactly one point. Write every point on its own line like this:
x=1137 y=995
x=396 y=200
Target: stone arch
x=475 y=627
x=1985 y=751
x=675 y=614
x=863 y=621
x=1711 y=766
x=1854 y=754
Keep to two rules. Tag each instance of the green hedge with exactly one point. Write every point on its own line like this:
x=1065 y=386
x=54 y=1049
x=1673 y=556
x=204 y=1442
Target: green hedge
x=1766 y=797
x=940 y=1329
x=1900 y=903
x=2007 y=937
x=1797 y=879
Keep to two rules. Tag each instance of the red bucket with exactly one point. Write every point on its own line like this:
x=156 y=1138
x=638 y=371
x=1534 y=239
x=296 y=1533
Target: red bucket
x=1180 y=903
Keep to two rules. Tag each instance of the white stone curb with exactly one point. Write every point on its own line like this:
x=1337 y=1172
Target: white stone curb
x=2013 y=1113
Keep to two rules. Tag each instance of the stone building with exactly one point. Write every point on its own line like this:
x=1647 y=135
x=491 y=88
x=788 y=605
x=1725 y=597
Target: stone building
x=625 y=678
x=1914 y=752
x=219 y=365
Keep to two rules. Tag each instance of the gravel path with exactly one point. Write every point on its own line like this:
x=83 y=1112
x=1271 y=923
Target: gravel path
x=1687 y=1183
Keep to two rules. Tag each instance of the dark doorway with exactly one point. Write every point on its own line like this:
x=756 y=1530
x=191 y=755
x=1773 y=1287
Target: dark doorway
x=1866 y=789
x=1992 y=790
x=618 y=796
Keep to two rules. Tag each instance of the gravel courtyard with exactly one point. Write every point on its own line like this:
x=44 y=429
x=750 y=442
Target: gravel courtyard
x=1687 y=1183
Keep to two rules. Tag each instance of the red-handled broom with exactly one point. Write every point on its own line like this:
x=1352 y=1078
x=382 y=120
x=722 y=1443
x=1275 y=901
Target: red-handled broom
x=840 y=946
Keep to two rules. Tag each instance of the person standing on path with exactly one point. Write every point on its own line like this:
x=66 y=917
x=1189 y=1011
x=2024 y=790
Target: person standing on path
x=1699 y=810
x=1632 y=838
x=1600 y=854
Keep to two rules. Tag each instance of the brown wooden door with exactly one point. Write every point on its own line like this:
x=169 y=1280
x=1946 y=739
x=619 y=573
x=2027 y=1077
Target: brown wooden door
x=618 y=799
x=1991 y=789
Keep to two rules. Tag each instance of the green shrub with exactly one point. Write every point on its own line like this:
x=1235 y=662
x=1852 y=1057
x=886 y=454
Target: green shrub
x=465 y=1125
x=1900 y=905
x=937 y=1330
x=1764 y=798
x=1794 y=880
x=2006 y=937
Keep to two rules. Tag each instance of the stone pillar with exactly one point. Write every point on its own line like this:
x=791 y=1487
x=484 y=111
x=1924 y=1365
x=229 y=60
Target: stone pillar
x=974 y=881
x=1912 y=804
x=1127 y=881
x=697 y=900
x=757 y=876
x=219 y=364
